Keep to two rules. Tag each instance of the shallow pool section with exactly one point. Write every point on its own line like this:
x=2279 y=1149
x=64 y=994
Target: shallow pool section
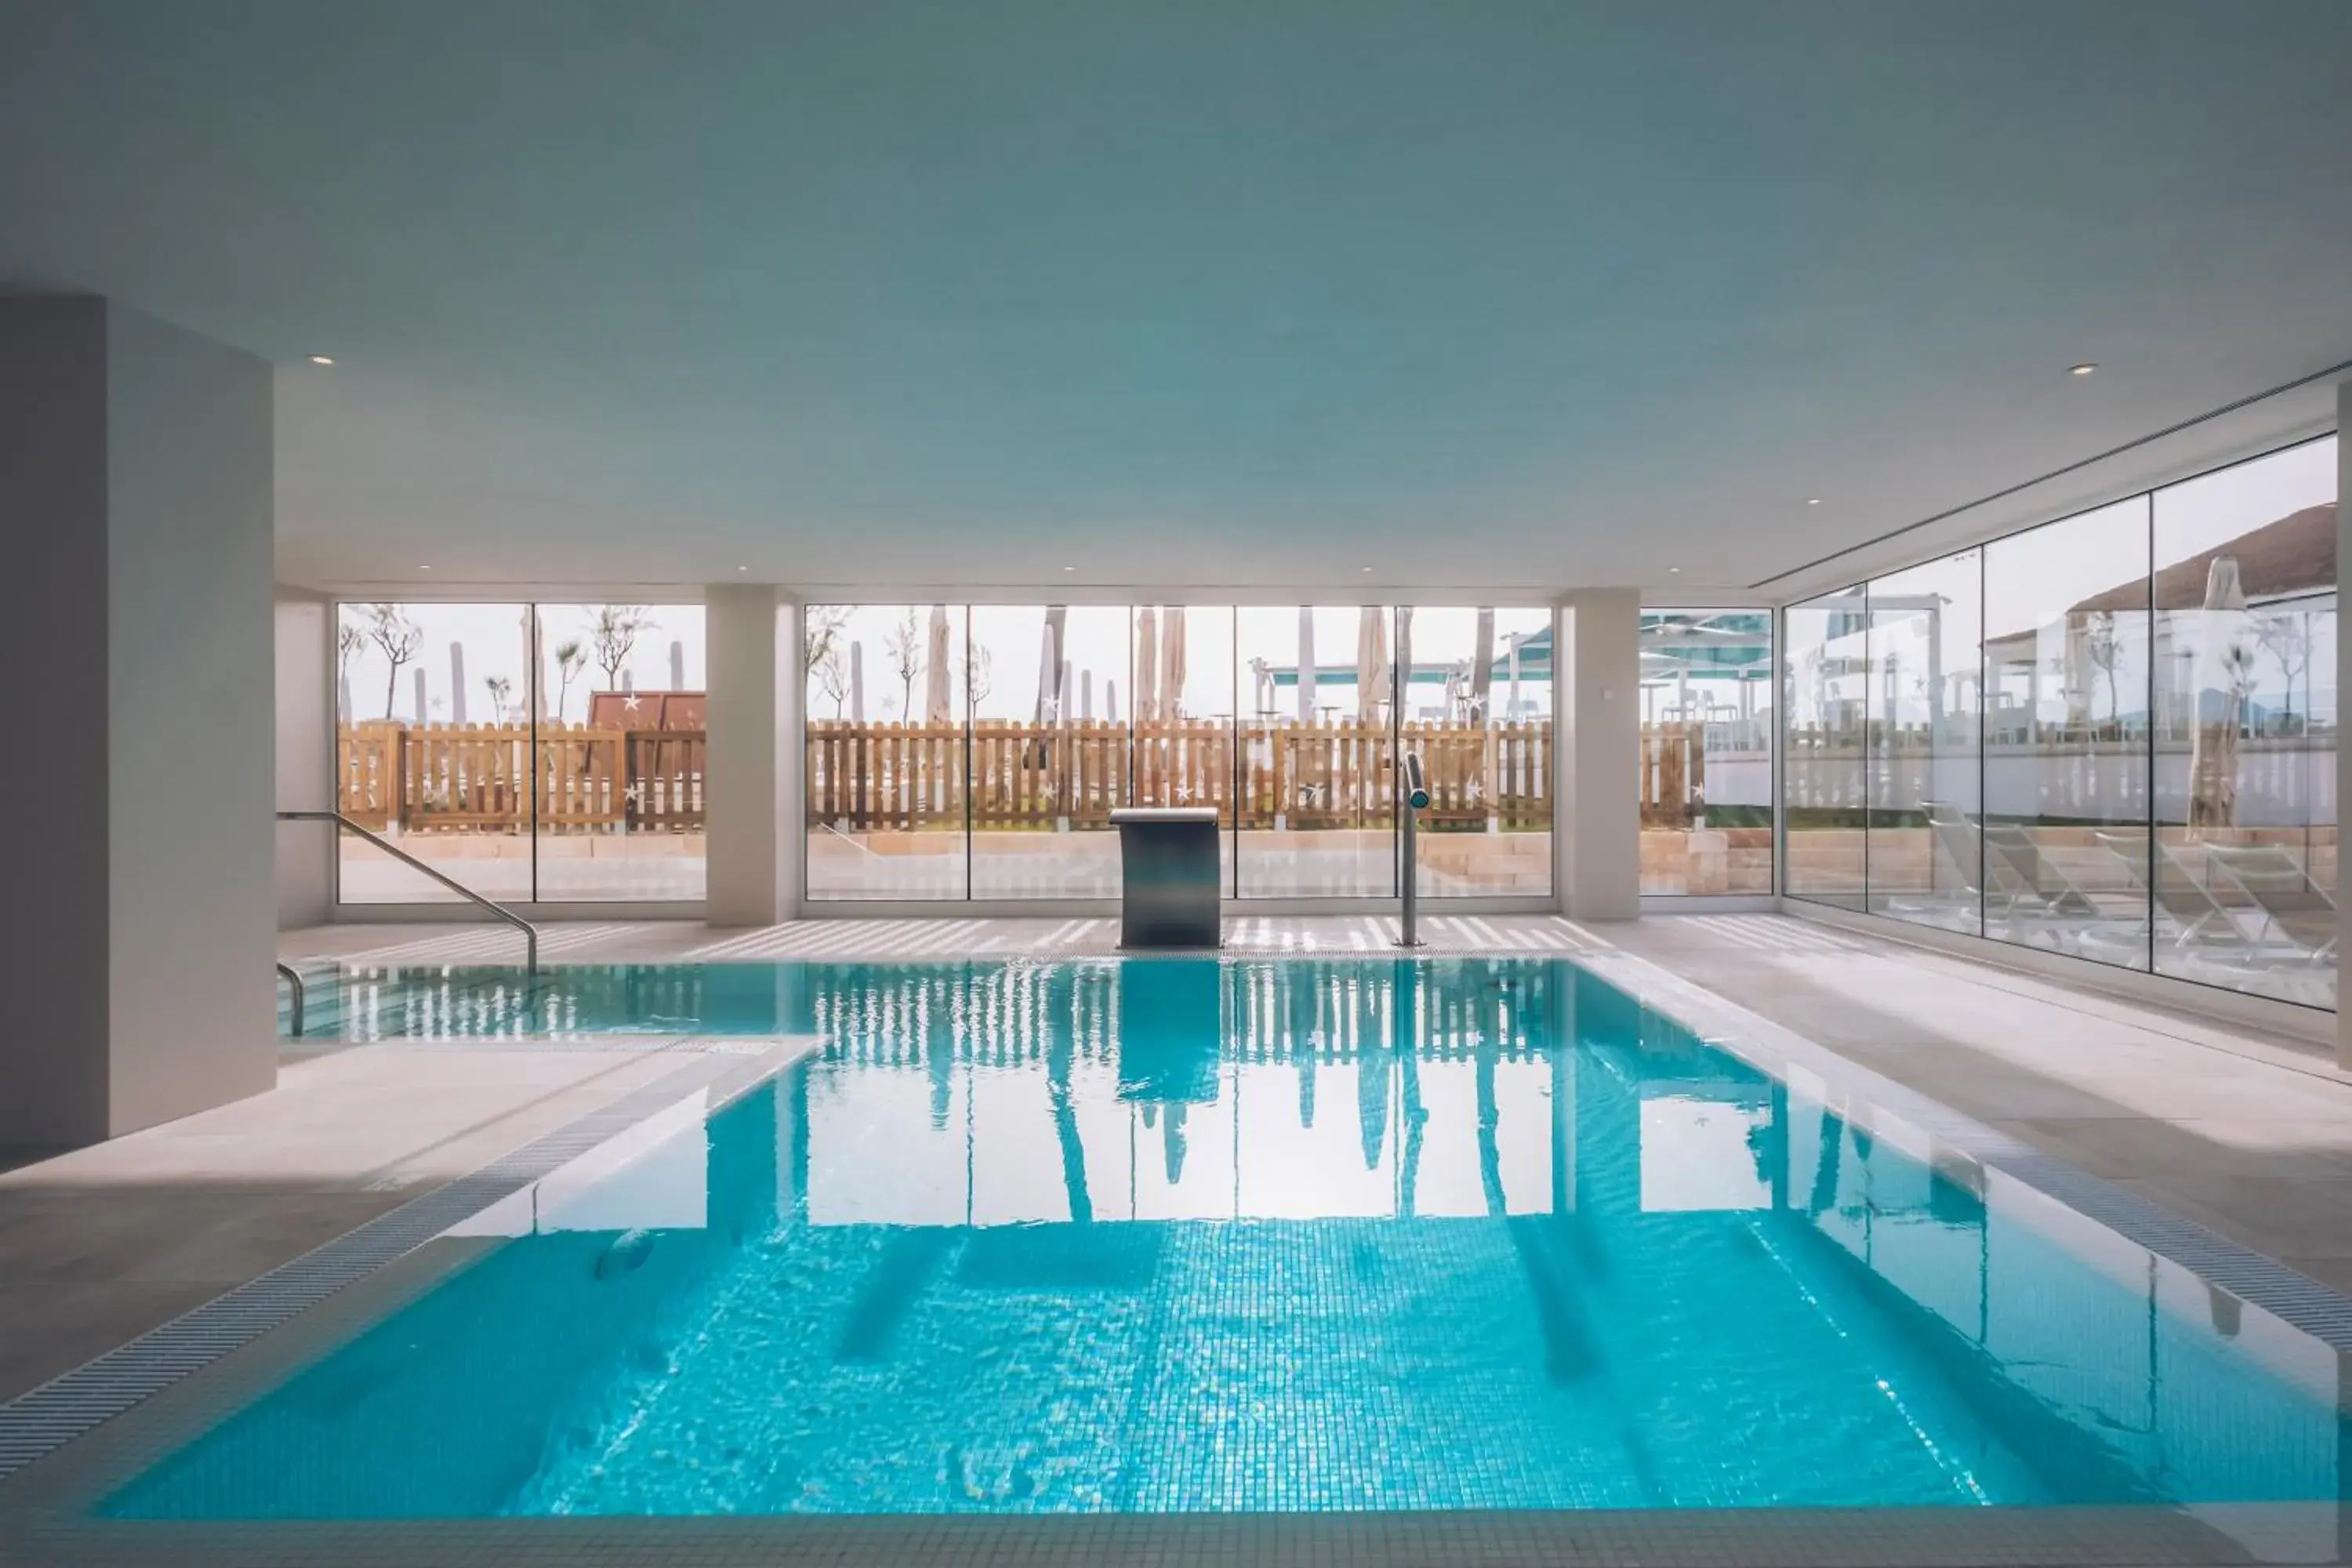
x=1165 y=1235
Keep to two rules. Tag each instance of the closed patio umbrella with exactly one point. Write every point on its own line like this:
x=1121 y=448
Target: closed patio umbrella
x=1110 y=701
x=1305 y=665
x=676 y=665
x=1049 y=668
x=537 y=668
x=2223 y=661
x=457 y=683
x=1400 y=689
x=1147 y=665
x=857 y=683
x=1372 y=664
x=1171 y=663
x=938 y=703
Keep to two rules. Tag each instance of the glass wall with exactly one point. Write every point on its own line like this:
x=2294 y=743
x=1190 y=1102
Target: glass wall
x=1284 y=719
x=889 y=689
x=620 y=740
x=1824 y=767
x=2245 y=847
x=1480 y=716
x=1318 y=750
x=547 y=752
x=1922 y=776
x=1707 y=751
x=2112 y=736
x=1182 y=694
x=1050 y=753
x=2065 y=764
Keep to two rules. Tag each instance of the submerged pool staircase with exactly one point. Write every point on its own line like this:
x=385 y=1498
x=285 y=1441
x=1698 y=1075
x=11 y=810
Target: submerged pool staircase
x=498 y=910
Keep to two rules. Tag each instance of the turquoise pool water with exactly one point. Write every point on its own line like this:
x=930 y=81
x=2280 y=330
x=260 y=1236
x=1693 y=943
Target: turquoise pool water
x=1176 y=1235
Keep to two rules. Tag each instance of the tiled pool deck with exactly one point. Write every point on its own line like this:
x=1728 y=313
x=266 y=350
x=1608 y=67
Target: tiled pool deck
x=2247 y=1134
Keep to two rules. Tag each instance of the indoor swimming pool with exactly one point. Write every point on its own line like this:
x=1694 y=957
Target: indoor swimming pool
x=1181 y=1235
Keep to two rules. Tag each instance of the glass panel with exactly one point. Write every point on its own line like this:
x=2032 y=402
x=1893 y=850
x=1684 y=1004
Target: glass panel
x=1048 y=761
x=1317 y=794
x=1825 y=667
x=1707 y=751
x=2245 y=639
x=1485 y=750
x=434 y=748
x=1926 y=627
x=2062 y=838
x=621 y=746
x=887 y=687
x=1184 y=736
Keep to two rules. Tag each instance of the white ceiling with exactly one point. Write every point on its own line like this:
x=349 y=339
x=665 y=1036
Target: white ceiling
x=1212 y=293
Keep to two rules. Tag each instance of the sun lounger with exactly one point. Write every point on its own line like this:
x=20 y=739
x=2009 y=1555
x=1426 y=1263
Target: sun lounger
x=2295 y=909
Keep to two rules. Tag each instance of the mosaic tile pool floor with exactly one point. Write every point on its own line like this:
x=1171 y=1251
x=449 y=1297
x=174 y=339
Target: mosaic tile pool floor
x=1184 y=1236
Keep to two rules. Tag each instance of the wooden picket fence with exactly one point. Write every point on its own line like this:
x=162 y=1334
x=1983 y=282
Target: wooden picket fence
x=478 y=778
x=1674 y=772
x=908 y=777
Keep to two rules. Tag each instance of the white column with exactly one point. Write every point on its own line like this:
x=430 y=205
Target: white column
x=306 y=756
x=751 y=784
x=135 y=471
x=1597 y=830
x=2343 y=690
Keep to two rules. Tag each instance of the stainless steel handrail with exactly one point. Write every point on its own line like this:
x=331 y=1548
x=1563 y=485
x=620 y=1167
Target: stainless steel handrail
x=294 y=983
x=530 y=931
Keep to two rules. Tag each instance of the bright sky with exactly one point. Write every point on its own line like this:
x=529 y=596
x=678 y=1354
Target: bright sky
x=1008 y=641
x=493 y=640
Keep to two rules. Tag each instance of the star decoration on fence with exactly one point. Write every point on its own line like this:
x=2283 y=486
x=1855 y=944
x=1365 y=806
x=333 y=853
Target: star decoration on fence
x=631 y=703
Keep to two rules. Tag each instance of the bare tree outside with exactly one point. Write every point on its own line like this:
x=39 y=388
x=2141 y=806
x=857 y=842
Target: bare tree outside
x=904 y=644
x=349 y=642
x=2286 y=637
x=2102 y=645
x=833 y=677
x=979 y=677
x=389 y=629
x=613 y=632
x=501 y=690
x=570 y=657
x=822 y=634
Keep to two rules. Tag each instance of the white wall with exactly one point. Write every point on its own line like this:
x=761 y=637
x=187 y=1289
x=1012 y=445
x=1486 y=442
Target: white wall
x=135 y=491
x=306 y=757
x=752 y=788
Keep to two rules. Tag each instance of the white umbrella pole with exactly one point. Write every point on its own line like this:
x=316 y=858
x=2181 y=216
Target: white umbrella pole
x=857 y=683
x=456 y=683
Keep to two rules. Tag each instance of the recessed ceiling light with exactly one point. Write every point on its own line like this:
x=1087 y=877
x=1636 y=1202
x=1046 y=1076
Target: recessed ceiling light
x=2086 y=368
x=1673 y=568
x=321 y=358
x=1812 y=501
x=1069 y=568
x=424 y=568
x=1367 y=568
x=742 y=569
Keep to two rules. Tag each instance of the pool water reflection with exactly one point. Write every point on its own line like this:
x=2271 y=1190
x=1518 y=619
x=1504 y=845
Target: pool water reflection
x=1176 y=1235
